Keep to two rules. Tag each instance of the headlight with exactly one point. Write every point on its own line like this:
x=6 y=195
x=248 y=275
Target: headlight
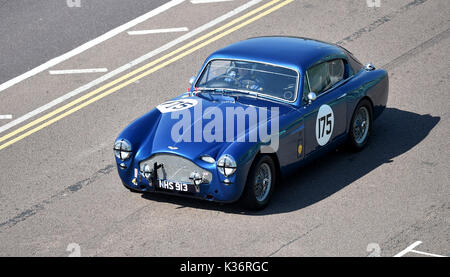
x=226 y=165
x=196 y=178
x=122 y=149
x=147 y=171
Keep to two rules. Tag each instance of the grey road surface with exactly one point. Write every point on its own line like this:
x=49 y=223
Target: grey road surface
x=33 y=32
x=59 y=184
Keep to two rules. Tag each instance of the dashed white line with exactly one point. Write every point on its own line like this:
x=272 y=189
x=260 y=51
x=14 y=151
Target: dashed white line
x=129 y=65
x=89 y=44
x=77 y=71
x=158 y=31
x=5 y=116
x=208 y=1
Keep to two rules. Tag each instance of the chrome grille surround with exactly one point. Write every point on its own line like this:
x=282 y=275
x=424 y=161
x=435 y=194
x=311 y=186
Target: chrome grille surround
x=175 y=168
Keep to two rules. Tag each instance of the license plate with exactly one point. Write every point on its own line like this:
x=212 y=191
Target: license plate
x=175 y=186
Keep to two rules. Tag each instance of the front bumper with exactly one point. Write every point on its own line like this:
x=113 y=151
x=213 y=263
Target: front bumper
x=215 y=190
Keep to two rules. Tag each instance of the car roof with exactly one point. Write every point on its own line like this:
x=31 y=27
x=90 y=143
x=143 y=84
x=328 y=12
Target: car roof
x=294 y=52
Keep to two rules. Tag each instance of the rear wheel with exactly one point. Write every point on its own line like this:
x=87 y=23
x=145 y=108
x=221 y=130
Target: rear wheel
x=360 y=126
x=260 y=183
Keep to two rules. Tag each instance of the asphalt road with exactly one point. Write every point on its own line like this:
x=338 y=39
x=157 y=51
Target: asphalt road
x=34 y=32
x=59 y=183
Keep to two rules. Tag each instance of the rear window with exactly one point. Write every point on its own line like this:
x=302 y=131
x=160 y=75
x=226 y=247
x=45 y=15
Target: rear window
x=354 y=63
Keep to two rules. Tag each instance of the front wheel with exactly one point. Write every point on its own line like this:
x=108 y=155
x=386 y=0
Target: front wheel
x=360 y=126
x=260 y=183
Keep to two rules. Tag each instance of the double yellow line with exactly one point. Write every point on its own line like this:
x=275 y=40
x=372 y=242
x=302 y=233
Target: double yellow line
x=151 y=67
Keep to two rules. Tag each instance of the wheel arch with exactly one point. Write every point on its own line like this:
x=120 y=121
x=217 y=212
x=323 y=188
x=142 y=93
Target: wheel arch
x=276 y=161
x=365 y=97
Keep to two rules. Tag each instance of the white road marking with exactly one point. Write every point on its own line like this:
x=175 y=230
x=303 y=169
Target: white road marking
x=408 y=249
x=129 y=65
x=77 y=71
x=5 y=116
x=427 y=254
x=208 y=1
x=158 y=31
x=89 y=44
x=411 y=249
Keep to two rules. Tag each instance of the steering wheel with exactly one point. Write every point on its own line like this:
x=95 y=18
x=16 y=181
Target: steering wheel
x=247 y=83
x=253 y=84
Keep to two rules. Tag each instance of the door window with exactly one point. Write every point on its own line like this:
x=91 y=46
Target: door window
x=323 y=76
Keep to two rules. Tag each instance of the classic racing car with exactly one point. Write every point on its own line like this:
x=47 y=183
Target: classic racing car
x=258 y=109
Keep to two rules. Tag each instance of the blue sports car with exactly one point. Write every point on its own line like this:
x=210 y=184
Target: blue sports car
x=257 y=109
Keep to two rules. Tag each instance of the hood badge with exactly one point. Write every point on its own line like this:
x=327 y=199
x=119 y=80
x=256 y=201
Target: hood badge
x=173 y=147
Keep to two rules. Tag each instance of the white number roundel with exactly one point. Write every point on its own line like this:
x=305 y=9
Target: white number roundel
x=176 y=105
x=324 y=124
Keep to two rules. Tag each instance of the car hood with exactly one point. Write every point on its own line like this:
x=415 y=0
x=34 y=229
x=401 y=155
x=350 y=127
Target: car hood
x=161 y=139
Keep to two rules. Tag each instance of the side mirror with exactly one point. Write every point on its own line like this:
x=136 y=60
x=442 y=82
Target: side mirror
x=369 y=67
x=191 y=80
x=311 y=97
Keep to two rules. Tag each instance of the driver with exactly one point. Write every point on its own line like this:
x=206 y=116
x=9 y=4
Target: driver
x=242 y=74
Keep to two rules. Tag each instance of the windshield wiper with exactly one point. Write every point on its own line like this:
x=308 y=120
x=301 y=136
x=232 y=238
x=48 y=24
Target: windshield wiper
x=245 y=93
x=213 y=90
x=210 y=92
x=222 y=91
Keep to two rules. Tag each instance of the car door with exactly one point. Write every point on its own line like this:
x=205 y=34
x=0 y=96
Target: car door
x=325 y=117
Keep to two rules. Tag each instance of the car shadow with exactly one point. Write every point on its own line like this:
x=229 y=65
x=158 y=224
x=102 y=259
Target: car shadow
x=394 y=133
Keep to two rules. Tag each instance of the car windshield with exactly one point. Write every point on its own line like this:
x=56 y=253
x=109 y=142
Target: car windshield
x=249 y=77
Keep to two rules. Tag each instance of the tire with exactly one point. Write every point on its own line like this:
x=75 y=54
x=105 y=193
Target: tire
x=256 y=195
x=360 y=126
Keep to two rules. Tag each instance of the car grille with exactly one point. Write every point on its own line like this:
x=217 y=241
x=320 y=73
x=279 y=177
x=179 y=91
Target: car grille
x=175 y=168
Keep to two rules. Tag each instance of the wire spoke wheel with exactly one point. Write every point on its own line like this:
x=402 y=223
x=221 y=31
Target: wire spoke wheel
x=263 y=182
x=361 y=125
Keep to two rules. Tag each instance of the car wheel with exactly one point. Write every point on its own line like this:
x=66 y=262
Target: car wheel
x=360 y=126
x=260 y=183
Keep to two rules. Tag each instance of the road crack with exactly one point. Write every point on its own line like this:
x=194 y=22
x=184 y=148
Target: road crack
x=380 y=21
x=33 y=210
x=418 y=49
x=294 y=240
